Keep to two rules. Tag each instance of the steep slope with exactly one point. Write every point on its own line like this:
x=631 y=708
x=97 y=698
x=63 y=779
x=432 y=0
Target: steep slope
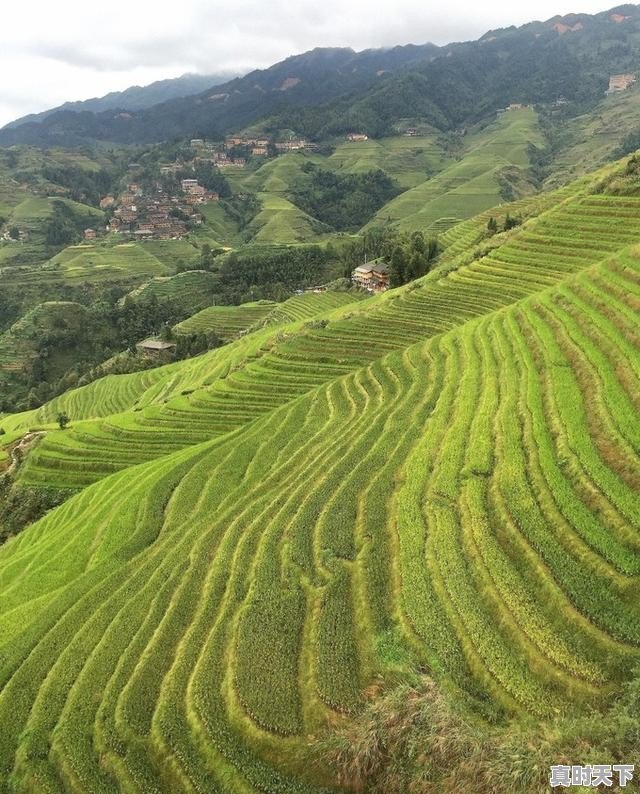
x=329 y=91
x=187 y=624
x=134 y=98
x=226 y=389
x=316 y=76
x=491 y=157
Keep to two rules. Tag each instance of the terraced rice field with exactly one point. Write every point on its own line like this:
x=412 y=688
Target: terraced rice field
x=449 y=471
x=79 y=264
x=229 y=322
x=189 y=291
x=19 y=344
x=226 y=321
x=280 y=222
x=407 y=160
x=227 y=388
x=470 y=185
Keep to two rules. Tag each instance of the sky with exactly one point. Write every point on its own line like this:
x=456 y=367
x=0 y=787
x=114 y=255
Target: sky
x=51 y=52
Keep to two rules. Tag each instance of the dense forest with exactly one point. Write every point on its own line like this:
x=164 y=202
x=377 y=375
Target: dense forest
x=345 y=202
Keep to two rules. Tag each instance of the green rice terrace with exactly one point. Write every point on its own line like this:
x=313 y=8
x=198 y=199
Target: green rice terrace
x=440 y=480
x=228 y=322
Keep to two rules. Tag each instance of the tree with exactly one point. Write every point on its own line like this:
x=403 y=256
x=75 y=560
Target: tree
x=492 y=225
x=433 y=249
x=417 y=242
x=167 y=334
x=63 y=420
x=398 y=264
x=510 y=222
x=415 y=267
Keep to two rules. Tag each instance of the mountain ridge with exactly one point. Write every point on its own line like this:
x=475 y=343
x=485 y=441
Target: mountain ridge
x=135 y=97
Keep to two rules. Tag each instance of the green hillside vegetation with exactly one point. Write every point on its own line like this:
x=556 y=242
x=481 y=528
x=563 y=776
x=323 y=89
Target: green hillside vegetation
x=344 y=202
x=188 y=292
x=49 y=224
x=582 y=143
x=280 y=222
x=176 y=254
x=43 y=345
x=66 y=173
x=264 y=533
x=476 y=181
x=228 y=322
x=86 y=263
x=221 y=228
x=409 y=161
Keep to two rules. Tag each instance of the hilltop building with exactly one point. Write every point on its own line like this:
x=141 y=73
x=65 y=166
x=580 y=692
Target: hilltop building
x=357 y=136
x=373 y=278
x=620 y=82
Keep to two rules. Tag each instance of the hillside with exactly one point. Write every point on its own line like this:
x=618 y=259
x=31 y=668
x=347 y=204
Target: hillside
x=134 y=98
x=494 y=159
x=228 y=322
x=332 y=91
x=263 y=534
x=316 y=76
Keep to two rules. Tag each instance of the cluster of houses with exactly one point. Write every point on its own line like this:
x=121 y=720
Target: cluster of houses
x=373 y=277
x=259 y=147
x=23 y=236
x=222 y=154
x=155 y=216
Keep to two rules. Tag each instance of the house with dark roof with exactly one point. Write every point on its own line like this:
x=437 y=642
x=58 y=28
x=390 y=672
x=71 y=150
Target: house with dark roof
x=372 y=277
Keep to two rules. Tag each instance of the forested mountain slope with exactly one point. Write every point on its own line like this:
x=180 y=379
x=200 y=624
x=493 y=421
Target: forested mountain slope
x=332 y=91
x=317 y=505
x=135 y=97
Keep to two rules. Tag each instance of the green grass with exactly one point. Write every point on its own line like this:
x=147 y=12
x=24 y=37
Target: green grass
x=453 y=464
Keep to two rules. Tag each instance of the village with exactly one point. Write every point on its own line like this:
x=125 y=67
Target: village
x=161 y=215
x=158 y=215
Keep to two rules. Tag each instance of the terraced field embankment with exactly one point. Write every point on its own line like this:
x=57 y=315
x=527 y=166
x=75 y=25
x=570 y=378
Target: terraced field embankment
x=219 y=392
x=443 y=477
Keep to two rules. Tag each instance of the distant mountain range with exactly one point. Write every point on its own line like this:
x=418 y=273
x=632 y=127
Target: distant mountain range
x=134 y=98
x=329 y=91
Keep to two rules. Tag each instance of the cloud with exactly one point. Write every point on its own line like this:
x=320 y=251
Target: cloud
x=75 y=49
